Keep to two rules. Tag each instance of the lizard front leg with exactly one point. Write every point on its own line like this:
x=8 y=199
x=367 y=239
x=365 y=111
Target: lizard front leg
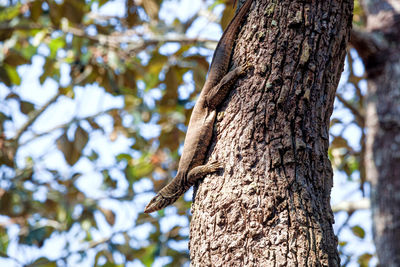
x=218 y=93
x=200 y=171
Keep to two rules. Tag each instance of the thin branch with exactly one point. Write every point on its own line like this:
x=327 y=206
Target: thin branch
x=345 y=223
x=124 y=37
x=34 y=117
x=351 y=206
x=182 y=39
x=92 y=244
x=21 y=27
x=37 y=113
x=116 y=39
x=354 y=110
x=133 y=47
x=64 y=125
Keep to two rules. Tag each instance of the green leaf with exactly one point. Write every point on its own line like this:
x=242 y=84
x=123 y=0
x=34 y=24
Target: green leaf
x=3 y=118
x=358 y=231
x=67 y=91
x=123 y=157
x=37 y=236
x=364 y=259
x=133 y=173
x=42 y=262
x=109 y=215
x=353 y=163
x=147 y=255
x=14 y=58
x=4 y=241
x=138 y=168
x=339 y=142
x=26 y=107
x=48 y=70
x=13 y=75
x=64 y=145
x=81 y=139
x=55 y=45
x=102 y=2
x=93 y=156
x=156 y=64
x=227 y=16
x=9 y=12
x=132 y=16
x=36 y=10
x=55 y=12
x=28 y=51
x=6 y=34
x=72 y=151
x=74 y=10
x=67 y=148
x=173 y=79
x=108 y=182
x=107 y=254
x=4 y=76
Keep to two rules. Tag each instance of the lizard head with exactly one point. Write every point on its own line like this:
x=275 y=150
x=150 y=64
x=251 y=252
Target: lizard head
x=156 y=203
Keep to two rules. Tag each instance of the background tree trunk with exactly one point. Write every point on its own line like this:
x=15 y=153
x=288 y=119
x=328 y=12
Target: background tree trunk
x=270 y=206
x=379 y=47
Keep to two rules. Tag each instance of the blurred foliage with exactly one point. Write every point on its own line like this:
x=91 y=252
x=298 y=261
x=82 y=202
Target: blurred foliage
x=144 y=58
x=347 y=149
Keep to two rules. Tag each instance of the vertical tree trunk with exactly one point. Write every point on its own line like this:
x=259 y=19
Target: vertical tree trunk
x=379 y=46
x=270 y=206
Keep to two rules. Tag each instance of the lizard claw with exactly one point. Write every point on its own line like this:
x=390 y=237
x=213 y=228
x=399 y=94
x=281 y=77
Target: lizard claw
x=243 y=68
x=215 y=166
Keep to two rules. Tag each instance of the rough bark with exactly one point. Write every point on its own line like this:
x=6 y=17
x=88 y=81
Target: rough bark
x=270 y=206
x=379 y=47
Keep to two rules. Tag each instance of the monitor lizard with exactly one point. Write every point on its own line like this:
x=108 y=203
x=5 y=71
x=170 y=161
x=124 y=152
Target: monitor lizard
x=200 y=129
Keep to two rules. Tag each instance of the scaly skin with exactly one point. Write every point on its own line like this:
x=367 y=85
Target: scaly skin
x=198 y=136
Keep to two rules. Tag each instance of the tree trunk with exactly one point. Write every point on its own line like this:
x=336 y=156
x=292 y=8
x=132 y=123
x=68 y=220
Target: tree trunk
x=270 y=206
x=379 y=47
